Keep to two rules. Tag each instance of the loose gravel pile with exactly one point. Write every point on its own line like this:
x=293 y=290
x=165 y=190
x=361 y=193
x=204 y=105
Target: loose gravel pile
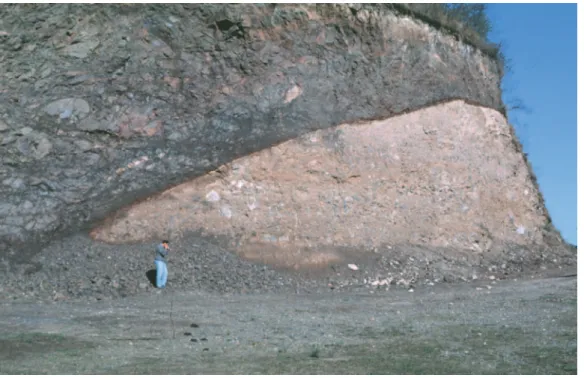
x=80 y=268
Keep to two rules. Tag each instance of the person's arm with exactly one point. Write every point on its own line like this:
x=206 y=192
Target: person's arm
x=160 y=249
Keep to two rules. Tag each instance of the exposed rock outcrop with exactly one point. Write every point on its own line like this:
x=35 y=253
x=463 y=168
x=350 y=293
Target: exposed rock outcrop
x=102 y=105
x=448 y=176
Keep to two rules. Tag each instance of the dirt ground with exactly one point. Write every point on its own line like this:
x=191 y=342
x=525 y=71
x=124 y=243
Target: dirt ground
x=525 y=326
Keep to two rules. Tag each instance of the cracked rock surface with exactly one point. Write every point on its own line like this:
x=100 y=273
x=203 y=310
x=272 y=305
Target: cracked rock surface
x=102 y=105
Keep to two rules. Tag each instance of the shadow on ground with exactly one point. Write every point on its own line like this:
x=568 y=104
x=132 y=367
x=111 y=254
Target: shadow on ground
x=151 y=275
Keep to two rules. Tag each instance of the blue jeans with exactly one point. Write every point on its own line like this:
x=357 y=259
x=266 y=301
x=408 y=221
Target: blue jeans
x=161 y=273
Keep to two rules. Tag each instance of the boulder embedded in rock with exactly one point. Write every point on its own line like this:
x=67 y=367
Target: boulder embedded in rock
x=35 y=145
x=67 y=107
x=81 y=50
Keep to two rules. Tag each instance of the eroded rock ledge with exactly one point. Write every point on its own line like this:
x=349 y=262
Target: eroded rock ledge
x=103 y=105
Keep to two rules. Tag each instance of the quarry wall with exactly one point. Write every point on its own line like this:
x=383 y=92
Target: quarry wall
x=106 y=106
x=446 y=176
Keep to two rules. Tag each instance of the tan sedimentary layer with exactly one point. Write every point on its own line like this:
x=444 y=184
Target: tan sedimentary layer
x=444 y=176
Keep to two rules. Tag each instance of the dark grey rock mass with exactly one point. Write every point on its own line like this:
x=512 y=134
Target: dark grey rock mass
x=103 y=105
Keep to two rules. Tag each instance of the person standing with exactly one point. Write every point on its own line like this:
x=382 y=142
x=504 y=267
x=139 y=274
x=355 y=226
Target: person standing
x=162 y=250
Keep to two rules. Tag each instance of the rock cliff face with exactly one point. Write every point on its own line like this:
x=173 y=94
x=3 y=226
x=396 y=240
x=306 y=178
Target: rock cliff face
x=101 y=106
x=448 y=176
x=307 y=118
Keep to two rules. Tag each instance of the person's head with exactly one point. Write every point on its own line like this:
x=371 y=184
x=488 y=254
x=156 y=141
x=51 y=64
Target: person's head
x=165 y=243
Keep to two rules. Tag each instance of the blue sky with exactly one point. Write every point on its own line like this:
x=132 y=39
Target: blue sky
x=541 y=41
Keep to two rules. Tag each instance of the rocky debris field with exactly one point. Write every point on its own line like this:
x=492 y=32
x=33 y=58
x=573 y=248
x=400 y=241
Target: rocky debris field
x=80 y=268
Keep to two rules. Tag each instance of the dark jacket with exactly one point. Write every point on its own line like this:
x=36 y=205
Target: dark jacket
x=161 y=253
